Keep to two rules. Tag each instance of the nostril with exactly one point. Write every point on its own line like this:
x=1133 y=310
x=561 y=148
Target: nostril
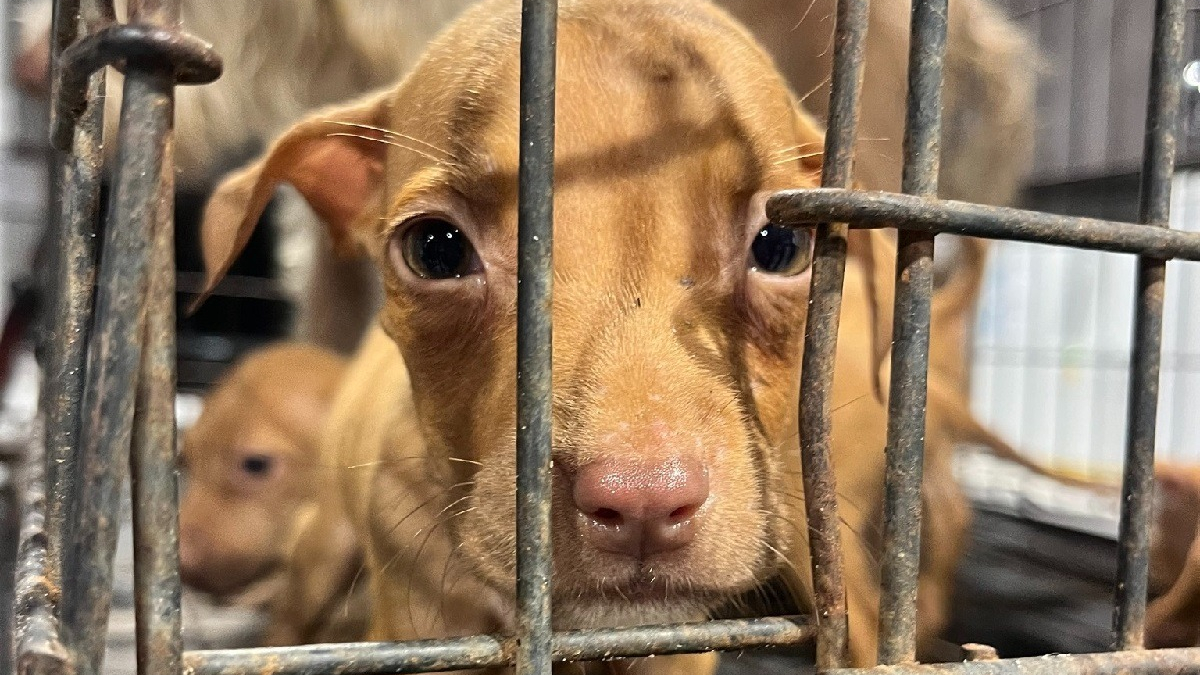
x=684 y=513
x=605 y=516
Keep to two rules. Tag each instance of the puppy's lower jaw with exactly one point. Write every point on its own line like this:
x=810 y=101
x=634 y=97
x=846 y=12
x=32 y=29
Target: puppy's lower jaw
x=607 y=605
x=258 y=594
x=612 y=611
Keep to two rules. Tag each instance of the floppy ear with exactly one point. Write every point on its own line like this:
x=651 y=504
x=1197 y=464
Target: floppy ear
x=875 y=251
x=335 y=159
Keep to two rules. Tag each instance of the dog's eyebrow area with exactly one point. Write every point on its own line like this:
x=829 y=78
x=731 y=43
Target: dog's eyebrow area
x=628 y=109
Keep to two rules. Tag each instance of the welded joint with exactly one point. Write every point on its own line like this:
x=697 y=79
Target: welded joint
x=144 y=47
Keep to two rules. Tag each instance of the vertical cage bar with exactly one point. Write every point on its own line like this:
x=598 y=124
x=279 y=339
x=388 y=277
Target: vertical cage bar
x=820 y=343
x=153 y=479
x=535 y=218
x=37 y=649
x=910 y=342
x=115 y=354
x=1129 y=616
x=72 y=289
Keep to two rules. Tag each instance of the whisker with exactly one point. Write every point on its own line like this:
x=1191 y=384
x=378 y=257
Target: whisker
x=389 y=132
x=420 y=550
x=464 y=461
x=385 y=141
x=439 y=513
x=807 y=144
x=814 y=90
x=410 y=514
x=441 y=609
x=806 y=155
x=804 y=16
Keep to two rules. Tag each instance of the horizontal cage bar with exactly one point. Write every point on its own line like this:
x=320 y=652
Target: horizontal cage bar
x=483 y=651
x=863 y=209
x=1155 y=662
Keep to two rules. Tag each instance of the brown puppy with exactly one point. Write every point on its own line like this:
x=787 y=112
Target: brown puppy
x=250 y=515
x=677 y=338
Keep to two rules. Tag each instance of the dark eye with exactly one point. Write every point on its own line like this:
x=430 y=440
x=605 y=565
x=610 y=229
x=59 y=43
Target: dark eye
x=257 y=465
x=435 y=249
x=780 y=250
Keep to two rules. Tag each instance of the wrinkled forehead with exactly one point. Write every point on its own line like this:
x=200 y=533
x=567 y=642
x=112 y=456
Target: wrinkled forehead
x=655 y=114
x=637 y=88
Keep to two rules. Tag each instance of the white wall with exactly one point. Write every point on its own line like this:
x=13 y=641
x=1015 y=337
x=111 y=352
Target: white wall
x=1052 y=350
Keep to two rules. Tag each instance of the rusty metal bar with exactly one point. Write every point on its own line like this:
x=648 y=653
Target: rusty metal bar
x=910 y=342
x=192 y=62
x=820 y=343
x=484 y=651
x=535 y=269
x=72 y=291
x=154 y=482
x=877 y=209
x=37 y=649
x=112 y=373
x=116 y=350
x=153 y=478
x=1154 y=210
x=1157 y=662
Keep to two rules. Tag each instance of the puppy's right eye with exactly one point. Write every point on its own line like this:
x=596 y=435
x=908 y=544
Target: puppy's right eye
x=434 y=248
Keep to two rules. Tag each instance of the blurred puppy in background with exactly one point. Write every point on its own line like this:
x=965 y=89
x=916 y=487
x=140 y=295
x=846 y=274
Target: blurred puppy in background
x=257 y=525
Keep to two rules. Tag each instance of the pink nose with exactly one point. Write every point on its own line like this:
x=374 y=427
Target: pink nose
x=640 y=509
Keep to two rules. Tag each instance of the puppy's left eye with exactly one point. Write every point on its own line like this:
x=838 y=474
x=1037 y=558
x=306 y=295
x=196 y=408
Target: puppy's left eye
x=434 y=248
x=257 y=465
x=779 y=250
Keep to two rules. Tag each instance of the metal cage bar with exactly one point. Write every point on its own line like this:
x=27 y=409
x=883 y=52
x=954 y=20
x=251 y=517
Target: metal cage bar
x=154 y=482
x=115 y=356
x=876 y=209
x=73 y=293
x=1154 y=209
x=483 y=651
x=535 y=271
x=910 y=342
x=111 y=368
x=128 y=371
x=820 y=342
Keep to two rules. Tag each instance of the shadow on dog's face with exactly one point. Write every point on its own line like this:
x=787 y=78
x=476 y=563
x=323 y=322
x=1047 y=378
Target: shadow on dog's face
x=678 y=310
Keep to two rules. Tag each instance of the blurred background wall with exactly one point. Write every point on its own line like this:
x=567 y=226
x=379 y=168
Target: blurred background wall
x=1055 y=325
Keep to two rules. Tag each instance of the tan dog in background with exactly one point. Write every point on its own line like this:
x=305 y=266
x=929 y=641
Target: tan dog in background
x=249 y=518
x=677 y=338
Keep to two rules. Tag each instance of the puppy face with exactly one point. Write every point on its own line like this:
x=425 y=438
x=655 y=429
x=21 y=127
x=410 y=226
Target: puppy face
x=678 y=310
x=251 y=462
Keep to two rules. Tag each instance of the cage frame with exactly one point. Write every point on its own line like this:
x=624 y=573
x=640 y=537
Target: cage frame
x=107 y=408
